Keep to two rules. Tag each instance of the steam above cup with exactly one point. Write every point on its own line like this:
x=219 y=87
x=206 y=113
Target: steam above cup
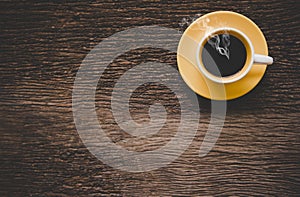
x=226 y=55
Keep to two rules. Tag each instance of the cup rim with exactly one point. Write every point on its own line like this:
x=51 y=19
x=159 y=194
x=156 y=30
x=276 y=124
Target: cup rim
x=223 y=79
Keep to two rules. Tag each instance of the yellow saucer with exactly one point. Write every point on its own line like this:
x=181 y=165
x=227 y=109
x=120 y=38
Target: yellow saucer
x=186 y=55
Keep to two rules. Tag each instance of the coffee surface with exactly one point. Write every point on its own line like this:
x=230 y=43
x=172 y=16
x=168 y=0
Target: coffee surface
x=224 y=55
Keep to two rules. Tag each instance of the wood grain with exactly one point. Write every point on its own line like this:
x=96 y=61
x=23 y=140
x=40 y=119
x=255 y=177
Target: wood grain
x=42 y=47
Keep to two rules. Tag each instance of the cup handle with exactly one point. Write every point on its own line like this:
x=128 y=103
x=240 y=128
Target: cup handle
x=263 y=59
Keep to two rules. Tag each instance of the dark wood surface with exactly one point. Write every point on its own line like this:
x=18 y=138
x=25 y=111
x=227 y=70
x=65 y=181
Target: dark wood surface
x=42 y=47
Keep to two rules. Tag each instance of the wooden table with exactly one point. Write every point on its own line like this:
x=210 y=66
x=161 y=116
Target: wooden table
x=42 y=47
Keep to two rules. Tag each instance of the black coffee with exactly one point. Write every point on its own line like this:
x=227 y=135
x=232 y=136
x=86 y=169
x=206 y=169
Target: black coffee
x=224 y=55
